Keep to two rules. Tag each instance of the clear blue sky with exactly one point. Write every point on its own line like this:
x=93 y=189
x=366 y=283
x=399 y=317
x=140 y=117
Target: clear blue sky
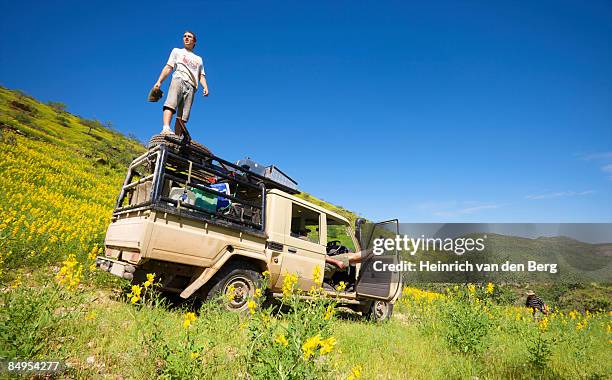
x=451 y=111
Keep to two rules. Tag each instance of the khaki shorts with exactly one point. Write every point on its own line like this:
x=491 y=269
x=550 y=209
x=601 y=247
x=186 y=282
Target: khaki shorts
x=331 y=269
x=180 y=98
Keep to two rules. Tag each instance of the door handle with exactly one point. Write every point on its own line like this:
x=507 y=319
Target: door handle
x=292 y=250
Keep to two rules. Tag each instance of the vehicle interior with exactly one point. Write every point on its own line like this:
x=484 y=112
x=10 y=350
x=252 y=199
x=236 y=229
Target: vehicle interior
x=339 y=241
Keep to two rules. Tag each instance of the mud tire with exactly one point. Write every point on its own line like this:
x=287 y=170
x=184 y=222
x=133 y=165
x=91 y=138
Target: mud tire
x=245 y=278
x=380 y=311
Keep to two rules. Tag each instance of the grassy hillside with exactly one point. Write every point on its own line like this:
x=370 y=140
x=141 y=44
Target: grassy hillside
x=59 y=176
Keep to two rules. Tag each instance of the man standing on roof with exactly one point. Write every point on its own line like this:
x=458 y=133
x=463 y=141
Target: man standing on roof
x=188 y=71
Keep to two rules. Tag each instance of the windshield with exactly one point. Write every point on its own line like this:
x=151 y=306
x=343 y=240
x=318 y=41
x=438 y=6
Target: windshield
x=339 y=230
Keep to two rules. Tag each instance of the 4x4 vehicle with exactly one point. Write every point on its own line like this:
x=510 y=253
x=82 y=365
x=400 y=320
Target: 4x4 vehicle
x=204 y=224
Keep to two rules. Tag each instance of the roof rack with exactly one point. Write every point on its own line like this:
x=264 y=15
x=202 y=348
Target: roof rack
x=175 y=175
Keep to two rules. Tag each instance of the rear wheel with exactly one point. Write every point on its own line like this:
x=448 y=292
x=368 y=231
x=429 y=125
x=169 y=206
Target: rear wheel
x=234 y=285
x=380 y=311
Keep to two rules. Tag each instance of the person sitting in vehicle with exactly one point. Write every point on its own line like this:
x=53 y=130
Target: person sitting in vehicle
x=339 y=264
x=304 y=234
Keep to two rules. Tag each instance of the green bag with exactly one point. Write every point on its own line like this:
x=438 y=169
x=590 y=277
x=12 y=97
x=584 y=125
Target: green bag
x=205 y=200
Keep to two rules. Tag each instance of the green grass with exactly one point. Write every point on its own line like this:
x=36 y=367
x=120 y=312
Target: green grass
x=100 y=333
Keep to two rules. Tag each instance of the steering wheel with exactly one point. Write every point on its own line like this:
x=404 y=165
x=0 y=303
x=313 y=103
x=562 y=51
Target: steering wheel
x=336 y=246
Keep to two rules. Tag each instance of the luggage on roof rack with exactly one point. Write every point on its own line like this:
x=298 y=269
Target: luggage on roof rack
x=272 y=172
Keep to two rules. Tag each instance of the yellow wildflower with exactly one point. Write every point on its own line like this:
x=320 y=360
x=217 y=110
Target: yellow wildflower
x=543 y=324
x=490 y=288
x=230 y=293
x=311 y=344
x=471 y=288
x=315 y=291
x=134 y=296
x=257 y=293
x=16 y=283
x=329 y=312
x=252 y=305
x=327 y=345
x=355 y=373
x=289 y=283
x=341 y=286
x=151 y=277
x=91 y=316
x=70 y=273
x=280 y=339
x=93 y=253
x=316 y=274
x=189 y=318
x=194 y=355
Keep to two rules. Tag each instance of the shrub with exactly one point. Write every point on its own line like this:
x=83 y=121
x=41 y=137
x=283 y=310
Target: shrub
x=294 y=344
x=539 y=347
x=23 y=119
x=63 y=121
x=466 y=322
x=58 y=106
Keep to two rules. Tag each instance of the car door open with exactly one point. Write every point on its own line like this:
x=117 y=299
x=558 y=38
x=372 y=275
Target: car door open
x=376 y=280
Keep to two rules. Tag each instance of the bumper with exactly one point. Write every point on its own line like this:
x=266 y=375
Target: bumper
x=118 y=268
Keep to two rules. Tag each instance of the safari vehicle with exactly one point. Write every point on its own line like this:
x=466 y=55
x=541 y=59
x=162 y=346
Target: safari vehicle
x=204 y=224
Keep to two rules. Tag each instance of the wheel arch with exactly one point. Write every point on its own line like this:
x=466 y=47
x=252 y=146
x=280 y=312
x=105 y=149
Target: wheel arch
x=204 y=282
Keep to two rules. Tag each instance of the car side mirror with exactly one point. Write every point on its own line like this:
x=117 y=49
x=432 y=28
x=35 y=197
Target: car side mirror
x=358 y=224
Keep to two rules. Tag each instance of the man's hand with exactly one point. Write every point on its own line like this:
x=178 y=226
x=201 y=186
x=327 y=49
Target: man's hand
x=205 y=91
x=157 y=85
x=339 y=263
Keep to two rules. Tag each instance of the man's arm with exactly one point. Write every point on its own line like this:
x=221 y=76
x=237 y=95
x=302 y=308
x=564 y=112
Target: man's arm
x=335 y=262
x=167 y=70
x=204 y=84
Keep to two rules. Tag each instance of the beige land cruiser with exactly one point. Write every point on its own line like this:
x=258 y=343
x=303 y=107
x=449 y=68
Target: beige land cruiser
x=203 y=224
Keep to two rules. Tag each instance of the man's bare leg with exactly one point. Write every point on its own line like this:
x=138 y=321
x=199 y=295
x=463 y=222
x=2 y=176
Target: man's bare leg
x=167 y=118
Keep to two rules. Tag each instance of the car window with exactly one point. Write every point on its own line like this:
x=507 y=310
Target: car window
x=304 y=223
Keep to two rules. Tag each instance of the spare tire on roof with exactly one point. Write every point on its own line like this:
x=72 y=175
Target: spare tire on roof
x=176 y=143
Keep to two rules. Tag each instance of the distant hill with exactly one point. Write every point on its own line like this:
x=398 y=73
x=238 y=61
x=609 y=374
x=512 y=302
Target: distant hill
x=577 y=261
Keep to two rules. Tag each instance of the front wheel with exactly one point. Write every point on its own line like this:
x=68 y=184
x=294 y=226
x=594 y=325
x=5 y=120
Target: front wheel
x=234 y=286
x=380 y=311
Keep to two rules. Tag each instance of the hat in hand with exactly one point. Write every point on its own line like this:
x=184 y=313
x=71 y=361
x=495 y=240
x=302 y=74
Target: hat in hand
x=155 y=94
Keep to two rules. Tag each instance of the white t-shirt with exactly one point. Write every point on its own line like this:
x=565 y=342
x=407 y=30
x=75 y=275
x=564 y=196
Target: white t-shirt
x=185 y=62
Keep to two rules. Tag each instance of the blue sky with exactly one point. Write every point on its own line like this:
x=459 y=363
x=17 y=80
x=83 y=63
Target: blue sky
x=440 y=112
